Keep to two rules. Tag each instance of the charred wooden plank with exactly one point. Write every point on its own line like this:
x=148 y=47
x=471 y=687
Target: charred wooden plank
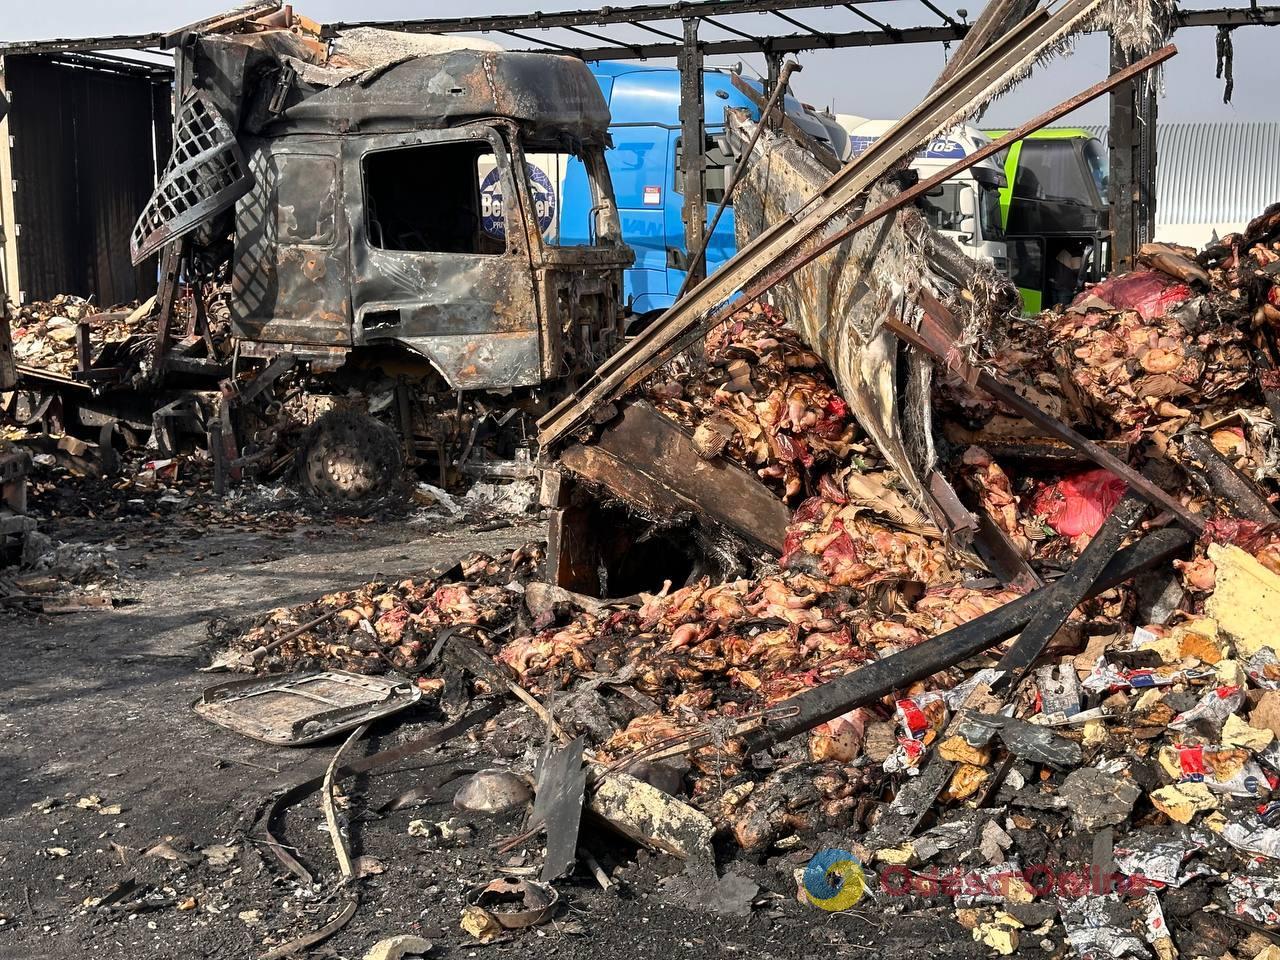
x=1065 y=594
x=648 y=461
x=1037 y=450
x=572 y=559
x=1219 y=478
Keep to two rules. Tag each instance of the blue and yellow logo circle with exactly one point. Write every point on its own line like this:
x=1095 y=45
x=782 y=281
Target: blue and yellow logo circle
x=833 y=880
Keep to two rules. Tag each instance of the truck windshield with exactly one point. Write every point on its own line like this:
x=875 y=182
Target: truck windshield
x=989 y=211
x=564 y=191
x=1051 y=170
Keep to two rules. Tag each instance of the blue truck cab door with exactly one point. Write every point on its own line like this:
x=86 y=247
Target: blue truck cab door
x=638 y=165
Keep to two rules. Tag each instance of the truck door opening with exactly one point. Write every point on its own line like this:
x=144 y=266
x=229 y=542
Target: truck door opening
x=426 y=198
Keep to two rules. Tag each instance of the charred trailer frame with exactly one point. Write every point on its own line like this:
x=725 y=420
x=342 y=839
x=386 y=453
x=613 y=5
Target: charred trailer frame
x=79 y=150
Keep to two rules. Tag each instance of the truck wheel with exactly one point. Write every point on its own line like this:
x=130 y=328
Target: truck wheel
x=350 y=461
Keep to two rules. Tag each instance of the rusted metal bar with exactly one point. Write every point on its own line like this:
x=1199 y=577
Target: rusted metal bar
x=1006 y=395
x=880 y=678
x=167 y=298
x=84 y=354
x=946 y=17
x=635 y=48
x=879 y=24
x=220 y=23
x=813 y=32
x=740 y=167
x=728 y=29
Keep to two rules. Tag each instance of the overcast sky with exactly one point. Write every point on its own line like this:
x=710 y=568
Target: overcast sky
x=880 y=82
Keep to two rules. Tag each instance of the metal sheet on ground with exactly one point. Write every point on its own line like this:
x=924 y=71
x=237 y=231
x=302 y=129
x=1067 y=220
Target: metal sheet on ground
x=297 y=709
x=557 y=806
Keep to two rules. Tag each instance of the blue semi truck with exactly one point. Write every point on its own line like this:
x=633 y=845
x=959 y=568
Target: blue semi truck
x=644 y=165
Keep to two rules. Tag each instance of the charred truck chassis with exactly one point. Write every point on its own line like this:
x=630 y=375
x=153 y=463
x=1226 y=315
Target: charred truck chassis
x=386 y=237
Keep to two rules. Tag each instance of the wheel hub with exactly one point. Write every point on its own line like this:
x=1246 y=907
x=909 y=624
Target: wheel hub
x=350 y=458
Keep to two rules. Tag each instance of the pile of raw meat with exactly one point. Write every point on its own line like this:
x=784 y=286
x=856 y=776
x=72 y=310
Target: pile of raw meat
x=1154 y=714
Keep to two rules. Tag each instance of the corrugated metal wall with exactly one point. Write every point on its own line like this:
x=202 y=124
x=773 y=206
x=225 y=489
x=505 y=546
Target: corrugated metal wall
x=1214 y=172
x=84 y=166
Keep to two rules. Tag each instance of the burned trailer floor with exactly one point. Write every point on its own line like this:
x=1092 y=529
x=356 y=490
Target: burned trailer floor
x=115 y=792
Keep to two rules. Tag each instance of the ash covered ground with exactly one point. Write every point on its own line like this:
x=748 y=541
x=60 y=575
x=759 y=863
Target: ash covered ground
x=95 y=713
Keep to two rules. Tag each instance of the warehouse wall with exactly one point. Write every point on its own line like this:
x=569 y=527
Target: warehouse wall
x=1212 y=177
x=82 y=165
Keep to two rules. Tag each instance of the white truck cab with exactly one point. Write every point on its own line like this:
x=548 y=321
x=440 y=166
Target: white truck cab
x=967 y=207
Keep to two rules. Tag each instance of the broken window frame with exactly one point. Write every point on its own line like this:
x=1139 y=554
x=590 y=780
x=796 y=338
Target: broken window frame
x=606 y=225
x=425 y=143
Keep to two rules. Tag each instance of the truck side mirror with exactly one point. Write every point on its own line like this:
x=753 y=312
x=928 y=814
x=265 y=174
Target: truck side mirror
x=967 y=225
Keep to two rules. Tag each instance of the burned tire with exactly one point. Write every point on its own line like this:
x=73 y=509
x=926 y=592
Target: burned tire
x=350 y=462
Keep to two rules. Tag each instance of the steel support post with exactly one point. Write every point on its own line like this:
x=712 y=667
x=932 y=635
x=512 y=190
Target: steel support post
x=1132 y=186
x=694 y=154
x=774 y=60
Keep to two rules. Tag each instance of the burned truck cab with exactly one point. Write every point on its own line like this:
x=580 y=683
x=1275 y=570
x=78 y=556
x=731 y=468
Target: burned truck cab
x=401 y=207
x=384 y=213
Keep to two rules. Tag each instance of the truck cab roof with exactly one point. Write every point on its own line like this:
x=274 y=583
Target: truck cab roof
x=551 y=97
x=642 y=94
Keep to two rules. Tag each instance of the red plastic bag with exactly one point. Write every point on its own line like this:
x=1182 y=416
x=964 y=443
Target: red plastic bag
x=1079 y=504
x=1149 y=292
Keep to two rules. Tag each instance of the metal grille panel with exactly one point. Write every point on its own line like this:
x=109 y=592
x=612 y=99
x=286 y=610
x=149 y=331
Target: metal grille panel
x=205 y=175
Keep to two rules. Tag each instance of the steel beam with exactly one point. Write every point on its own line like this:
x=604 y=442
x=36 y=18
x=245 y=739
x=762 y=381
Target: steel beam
x=693 y=165
x=1228 y=17
x=749 y=42
x=783 y=44
x=702 y=9
x=137 y=41
x=597 y=17
x=801 y=43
